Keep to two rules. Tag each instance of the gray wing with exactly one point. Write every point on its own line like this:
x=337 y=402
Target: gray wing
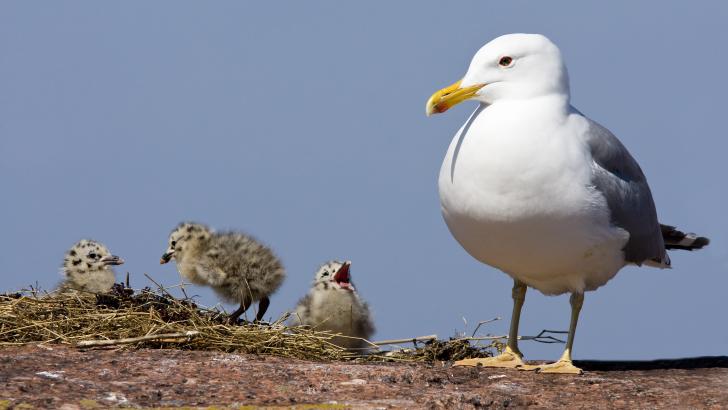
x=619 y=178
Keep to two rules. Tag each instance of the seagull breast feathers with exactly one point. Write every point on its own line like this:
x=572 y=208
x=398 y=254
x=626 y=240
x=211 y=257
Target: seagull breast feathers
x=516 y=192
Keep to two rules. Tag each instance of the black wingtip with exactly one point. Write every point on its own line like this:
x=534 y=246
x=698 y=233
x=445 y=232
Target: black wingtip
x=700 y=241
x=675 y=239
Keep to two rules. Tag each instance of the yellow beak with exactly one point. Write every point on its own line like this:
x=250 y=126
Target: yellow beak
x=449 y=97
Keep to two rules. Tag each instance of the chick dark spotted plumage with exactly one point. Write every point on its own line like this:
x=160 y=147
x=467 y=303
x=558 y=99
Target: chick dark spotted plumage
x=333 y=304
x=236 y=266
x=87 y=267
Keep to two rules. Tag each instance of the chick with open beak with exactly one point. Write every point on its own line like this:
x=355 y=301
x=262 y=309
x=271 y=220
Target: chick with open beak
x=342 y=278
x=333 y=304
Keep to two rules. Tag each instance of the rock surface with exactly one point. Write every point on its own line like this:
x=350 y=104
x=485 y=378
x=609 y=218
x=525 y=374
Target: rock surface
x=56 y=376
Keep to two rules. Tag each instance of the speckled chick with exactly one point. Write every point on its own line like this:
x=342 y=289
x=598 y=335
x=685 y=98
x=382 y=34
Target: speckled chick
x=333 y=304
x=87 y=267
x=236 y=266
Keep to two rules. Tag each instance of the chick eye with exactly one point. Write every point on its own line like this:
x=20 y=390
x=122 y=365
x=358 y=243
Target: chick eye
x=92 y=255
x=505 y=61
x=173 y=243
x=325 y=274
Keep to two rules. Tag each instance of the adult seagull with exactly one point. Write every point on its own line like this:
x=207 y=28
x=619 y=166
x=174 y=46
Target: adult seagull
x=533 y=187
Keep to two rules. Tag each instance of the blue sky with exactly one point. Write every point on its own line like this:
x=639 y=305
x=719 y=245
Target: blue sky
x=303 y=124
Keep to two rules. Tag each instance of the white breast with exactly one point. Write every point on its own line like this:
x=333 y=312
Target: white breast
x=334 y=310
x=337 y=311
x=515 y=193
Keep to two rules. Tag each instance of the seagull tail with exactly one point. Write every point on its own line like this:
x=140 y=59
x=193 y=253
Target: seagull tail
x=675 y=239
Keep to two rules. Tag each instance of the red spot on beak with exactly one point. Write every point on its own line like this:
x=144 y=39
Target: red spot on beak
x=441 y=108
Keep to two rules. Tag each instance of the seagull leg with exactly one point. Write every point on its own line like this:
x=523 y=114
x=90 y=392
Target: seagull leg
x=244 y=305
x=511 y=357
x=262 y=308
x=564 y=364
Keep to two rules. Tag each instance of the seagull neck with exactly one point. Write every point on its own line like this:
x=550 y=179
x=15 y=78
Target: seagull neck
x=549 y=102
x=554 y=99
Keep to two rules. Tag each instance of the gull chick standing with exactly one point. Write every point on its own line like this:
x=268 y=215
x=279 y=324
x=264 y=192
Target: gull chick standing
x=237 y=267
x=333 y=304
x=87 y=267
x=533 y=187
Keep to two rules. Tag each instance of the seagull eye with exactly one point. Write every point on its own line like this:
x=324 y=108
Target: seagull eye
x=505 y=61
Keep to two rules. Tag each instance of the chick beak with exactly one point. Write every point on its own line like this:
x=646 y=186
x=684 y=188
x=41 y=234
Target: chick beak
x=342 y=277
x=449 y=97
x=112 y=260
x=166 y=257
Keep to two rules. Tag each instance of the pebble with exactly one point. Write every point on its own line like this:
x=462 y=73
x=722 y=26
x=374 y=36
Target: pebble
x=354 y=382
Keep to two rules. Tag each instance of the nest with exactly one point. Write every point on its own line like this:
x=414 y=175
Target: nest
x=78 y=318
x=155 y=319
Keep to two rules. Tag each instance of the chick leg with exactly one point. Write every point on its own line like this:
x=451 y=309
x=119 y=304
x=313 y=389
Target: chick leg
x=262 y=308
x=564 y=364
x=244 y=305
x=511 y=357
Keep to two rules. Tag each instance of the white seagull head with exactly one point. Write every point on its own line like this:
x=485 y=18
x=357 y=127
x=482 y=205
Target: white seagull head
x=512 y=66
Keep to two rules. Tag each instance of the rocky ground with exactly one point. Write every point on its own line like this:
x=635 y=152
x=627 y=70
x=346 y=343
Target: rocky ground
x=67 y=378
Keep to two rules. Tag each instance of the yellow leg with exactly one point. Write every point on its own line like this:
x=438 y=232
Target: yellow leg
x=564 y=364
x=511 y=357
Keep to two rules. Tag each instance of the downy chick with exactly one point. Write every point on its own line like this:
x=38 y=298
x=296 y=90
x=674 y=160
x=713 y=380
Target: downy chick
x=236 y=266
x=87 y=267
x=333 y=304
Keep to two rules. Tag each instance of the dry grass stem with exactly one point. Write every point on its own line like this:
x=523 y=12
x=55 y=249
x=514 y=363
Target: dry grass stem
x=402 y=341
x=162 y=337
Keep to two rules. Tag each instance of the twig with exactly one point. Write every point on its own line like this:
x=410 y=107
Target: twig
x=88 y=343
x=483 y=322
x=401 y=341
x=182 y=283
x=159 y=286
x=184 y=292
x=485 y=337
x=546 y=339
x=540 y=338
